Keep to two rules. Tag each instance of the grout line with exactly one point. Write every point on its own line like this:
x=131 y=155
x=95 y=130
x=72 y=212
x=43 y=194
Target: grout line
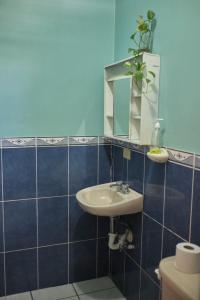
x=124 y=270
x=39 y=198
x=142 y=221
x=97 y=219
x=68 y=213
x=192 y=198
x=147 y=215
x=141 y=269
x=164 y=199
x=100 y=290
x=180 y=164
x=31 y=295
x=3 y=221
x=52 y=245
x=37 y=211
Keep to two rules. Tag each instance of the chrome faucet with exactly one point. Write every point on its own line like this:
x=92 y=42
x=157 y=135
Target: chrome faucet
x=122 y=187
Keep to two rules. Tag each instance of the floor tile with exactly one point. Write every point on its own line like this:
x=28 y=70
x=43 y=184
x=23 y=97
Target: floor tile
x=72 y=298
x=111 y=294
x=53 y=293
x=92 y=285
x=22 y=296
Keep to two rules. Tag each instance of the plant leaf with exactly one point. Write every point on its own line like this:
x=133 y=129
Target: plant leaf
x=127 y=64
x=132 y=37
x=129 y=73
x=150 y=15
x=140 y=20
x=148 y=80
x=152 y=74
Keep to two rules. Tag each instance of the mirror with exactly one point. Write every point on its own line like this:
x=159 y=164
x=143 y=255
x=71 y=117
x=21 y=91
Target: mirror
x=121 y=103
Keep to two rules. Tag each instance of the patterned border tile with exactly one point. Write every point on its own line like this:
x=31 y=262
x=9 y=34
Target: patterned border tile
x=197 y=162
x=181 y=157
x=52 y=141
x=104 y=140
x=83 y=140
x=18 y=142
x=127 y=144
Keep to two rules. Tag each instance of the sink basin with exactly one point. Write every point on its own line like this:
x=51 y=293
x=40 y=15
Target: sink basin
x=103 y=200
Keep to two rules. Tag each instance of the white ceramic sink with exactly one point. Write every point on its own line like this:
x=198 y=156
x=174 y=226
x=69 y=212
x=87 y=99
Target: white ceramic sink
x=104 y=200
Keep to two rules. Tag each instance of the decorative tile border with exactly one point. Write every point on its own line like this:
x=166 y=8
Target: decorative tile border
x=18 y=142
x=197 y=162
x=126 y=144
x=184 y=158
x=83 y=140
x=52 y=141
x=181 y=157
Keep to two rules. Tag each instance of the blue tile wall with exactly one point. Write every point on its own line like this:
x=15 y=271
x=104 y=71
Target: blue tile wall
x=82 y=261
x=48 y=239
x=83 y=162
x=52 y=220
x=53 y=263
x=171 y=215
x=20 y=224
x=52 y=170
x=19 y=173
x=21 y=271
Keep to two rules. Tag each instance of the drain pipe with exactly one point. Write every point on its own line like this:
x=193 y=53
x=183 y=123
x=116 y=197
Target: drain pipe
x=112 y=236
x=123 y=240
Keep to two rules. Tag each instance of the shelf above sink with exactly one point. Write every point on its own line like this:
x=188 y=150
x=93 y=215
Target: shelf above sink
x=104 y=200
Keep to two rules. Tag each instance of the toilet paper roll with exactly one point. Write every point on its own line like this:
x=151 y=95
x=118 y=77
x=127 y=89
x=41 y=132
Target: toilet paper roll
x=187 y=258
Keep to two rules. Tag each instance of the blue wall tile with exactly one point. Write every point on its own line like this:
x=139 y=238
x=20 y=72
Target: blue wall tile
x=132 y=280
x=52 y=220
x=20 y=224
x=149 y=290
x=82 y=167
x=1 y=227
x=196 y=210
x=119 y=164
x=135 y=223
x=105 y=163
x=82 y=261
x=52 y=171
x=2 y=283
x=103 y=226
x=154 y=189
x=0 y=181
x=136 y=171
x=169 y=243
x=82 y=225
x=53 y=266
x=151 y=245
x=19 y=173
x=117 y=268
x=102 y=257
x=178 y=199
x=21 y=271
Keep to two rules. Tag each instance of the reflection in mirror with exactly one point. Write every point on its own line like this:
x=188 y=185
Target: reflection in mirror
x=122 y=96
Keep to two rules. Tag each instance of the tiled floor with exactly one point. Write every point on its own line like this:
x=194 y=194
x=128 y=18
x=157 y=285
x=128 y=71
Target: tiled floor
x=100 y=288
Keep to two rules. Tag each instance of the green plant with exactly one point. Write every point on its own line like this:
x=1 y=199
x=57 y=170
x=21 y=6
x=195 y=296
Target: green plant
x=142 y=37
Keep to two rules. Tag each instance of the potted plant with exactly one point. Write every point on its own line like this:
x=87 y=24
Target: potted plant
x=143 y=39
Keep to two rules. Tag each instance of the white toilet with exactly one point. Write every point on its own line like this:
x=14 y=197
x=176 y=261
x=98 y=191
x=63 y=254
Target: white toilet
x=177 y=285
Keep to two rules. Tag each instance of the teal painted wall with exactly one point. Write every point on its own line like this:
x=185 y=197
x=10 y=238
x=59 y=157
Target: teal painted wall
x=177 y=40
x=52 y=55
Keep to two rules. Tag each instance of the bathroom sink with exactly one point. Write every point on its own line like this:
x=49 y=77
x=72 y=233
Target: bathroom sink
x=104 y=200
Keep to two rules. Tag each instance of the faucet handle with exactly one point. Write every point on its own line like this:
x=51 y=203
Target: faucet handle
x=125 y=188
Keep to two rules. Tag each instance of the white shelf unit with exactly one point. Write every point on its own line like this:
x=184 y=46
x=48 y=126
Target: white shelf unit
x=143 y=102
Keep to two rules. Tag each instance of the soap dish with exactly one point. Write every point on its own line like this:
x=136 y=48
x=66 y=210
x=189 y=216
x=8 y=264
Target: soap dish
x=159 y=157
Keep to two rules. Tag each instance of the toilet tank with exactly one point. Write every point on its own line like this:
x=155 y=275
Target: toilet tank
x=177 y=285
